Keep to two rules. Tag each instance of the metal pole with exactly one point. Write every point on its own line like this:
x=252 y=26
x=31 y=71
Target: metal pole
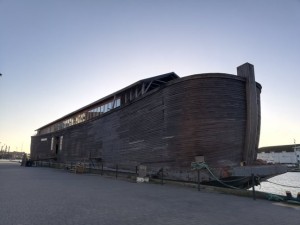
x=117 y=171
x=253 y=186
x=162 y=176
x=198 y=179
x=102 y=169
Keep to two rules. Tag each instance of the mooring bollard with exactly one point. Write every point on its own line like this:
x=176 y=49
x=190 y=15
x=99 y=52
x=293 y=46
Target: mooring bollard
x=253 y=186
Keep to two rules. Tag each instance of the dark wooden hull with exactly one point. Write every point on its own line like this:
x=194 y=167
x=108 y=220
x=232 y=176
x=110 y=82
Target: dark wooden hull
x=200 y=115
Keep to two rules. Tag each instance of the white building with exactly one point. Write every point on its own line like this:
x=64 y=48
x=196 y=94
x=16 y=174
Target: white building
x=285 y=154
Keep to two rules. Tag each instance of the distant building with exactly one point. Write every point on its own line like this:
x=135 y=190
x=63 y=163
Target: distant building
x=11 y=155
x=17 y=155
x=284 y=154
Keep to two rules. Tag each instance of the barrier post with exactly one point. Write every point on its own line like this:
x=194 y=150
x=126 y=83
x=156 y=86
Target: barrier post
x=198 y=171
x=117 y=171
x=162 y=176
x=253 y=186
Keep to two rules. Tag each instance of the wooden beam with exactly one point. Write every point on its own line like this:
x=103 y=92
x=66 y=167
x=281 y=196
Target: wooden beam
x=247 y=71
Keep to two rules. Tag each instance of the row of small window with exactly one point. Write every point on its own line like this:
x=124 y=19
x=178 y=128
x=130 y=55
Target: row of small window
x=103 y=108
x=79 y=118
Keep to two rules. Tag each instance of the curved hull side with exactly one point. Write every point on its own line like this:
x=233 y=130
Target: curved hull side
x=210 y=117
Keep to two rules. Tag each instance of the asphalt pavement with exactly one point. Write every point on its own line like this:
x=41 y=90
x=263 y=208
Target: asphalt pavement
x=46 y=196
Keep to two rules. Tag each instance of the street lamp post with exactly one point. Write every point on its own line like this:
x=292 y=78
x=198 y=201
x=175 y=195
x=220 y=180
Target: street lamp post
x=295 y=150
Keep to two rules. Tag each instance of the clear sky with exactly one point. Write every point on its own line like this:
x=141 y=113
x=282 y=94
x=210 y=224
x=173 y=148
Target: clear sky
x=59 y=55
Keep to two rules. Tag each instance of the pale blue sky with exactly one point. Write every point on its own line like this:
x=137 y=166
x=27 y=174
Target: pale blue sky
x=59 y=55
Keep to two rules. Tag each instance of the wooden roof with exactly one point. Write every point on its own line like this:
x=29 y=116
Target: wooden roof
x=154 y=81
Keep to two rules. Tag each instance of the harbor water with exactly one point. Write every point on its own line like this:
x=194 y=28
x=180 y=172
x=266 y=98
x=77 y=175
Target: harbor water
x=280 y=184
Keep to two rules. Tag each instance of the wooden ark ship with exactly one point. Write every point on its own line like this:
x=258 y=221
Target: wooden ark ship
x=166 y=123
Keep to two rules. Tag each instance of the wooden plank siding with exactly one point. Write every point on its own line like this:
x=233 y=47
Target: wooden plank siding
x=204 y=114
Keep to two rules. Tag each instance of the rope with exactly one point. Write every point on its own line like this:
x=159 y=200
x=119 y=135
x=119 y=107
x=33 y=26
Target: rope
x=273 y=197
x=243 y=178
x=203 y=165
x=282 y=184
